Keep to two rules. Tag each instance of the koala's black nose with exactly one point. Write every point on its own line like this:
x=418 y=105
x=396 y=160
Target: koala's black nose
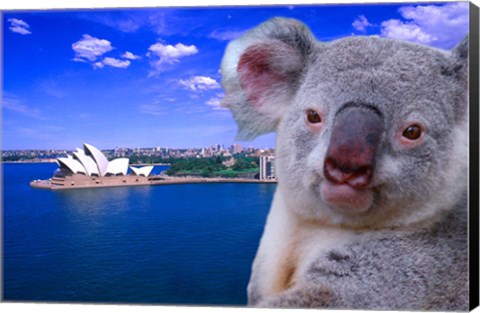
x=350 y=157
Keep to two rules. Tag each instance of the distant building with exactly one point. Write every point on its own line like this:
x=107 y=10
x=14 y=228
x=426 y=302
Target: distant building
x=236 y=148
x=267 y=168
x=206 y=153
x=229 y=162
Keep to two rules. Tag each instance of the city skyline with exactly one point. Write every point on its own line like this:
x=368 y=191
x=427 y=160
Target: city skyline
x=22 y=155
x=111 y=148
x=150 y=77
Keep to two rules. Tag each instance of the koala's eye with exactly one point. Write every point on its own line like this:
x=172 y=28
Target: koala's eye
x=412 y=132
x=313 y=117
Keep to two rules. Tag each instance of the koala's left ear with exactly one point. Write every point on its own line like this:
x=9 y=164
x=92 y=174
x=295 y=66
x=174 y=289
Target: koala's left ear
x=459 y=67
x=261 y=72
x=461 y=50
x=458 y=70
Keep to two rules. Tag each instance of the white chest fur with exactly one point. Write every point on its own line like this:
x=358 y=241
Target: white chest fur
x=288 y=247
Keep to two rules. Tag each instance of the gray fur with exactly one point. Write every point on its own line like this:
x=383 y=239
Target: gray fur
x=389 y=270
x=409 y=249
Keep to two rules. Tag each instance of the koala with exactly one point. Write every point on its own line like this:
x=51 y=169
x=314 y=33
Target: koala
x=370 y=210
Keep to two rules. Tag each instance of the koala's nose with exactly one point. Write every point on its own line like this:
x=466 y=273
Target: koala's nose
x=350 y=157
x=355 y=176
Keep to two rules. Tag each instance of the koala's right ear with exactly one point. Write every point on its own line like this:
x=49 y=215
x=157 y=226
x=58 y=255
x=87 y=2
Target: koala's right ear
x=261 y=71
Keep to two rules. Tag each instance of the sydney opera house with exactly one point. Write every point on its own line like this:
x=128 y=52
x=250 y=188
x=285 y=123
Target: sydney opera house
x=91 y=168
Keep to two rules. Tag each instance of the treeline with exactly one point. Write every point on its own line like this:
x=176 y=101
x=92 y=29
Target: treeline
x=213 y=167
x=17 y=158
x=144 y=159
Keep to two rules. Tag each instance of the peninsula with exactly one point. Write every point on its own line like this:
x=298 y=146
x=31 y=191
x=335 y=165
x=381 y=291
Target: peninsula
x=81 y=181
x=89 y=168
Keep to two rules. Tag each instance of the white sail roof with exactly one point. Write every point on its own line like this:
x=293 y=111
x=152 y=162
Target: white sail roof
x=99 y=157
x=91 y=161
x=142 y=171
x=73 y=165
x=118 y=166
x=87 y=162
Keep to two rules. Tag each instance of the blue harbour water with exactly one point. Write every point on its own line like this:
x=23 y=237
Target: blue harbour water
x=173 y=244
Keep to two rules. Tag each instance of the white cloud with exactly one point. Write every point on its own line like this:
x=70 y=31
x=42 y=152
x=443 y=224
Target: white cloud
x=168 y=54
x=130 y=25
x=200 y=83
x=111 y=62
x=52 y=87
x=98 y=64
x=406 y=31
x=130 y=56
x=442 y=26
x=226 y=35
x=19 y=26
x=171 y=53
x=90 y=48
x=116 y=62
x=215 y=102
x=79 y=60
x=40 y=133
x=12 y=103
x=152 y=109
x=361 y=23
x=130 y=21
x=18 y=22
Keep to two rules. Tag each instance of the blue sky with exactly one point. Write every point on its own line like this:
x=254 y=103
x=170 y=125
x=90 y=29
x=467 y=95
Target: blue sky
x=150 y=77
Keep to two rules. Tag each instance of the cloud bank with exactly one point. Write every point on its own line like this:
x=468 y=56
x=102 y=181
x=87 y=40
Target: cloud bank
x=90 y=49
x=441 y=26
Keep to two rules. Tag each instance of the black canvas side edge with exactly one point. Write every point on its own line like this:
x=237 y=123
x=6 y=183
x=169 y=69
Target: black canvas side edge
x=474 y=157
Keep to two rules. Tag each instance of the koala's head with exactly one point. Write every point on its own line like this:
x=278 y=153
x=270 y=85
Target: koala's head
x=371 y=131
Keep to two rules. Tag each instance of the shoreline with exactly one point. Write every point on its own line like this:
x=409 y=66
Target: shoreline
x=28 y=162
x=53 y=161
x=129 y=181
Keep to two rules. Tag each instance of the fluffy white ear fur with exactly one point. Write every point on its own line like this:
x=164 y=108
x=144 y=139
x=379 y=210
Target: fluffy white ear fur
x=461 y=50
x=260 y=71
x=458 y=70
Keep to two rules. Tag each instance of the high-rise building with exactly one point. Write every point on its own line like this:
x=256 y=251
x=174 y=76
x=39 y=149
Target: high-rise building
x=267 y=168
x=236 y=148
